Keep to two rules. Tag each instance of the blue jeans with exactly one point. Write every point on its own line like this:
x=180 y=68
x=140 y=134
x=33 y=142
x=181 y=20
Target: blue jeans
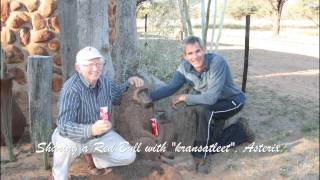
x=211 y=120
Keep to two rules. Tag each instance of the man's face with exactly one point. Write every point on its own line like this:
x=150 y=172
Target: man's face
x=194 y=54
x=91 y=70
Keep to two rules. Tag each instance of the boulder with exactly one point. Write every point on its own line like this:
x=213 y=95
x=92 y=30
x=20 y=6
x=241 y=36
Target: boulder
x=7 y=36
x=17 y=19
x=54 y=24
x=57 y=59
x=42 y=35
x=15 y=5
x=5 y=10
x=18 y=119
x=47 y=7
x=54 y=45
x=57 y=82
x=24 y=35
x=19 y=75
x=36 y=49
x=38 y=22
x=13 y=54
x=31 y=5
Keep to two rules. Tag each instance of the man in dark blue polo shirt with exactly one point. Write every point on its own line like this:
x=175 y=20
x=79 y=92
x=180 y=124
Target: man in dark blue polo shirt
x=217 y=98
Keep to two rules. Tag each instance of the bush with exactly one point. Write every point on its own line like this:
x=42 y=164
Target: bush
x=238 y=9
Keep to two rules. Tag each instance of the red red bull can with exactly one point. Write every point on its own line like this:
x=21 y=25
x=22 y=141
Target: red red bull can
x=104 y=115
x=154 y=126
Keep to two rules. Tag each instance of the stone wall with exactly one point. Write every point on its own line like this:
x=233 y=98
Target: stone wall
x=31 y=27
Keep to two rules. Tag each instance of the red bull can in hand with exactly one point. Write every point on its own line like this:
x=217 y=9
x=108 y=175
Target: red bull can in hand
x=104 y=115
x=154 y=126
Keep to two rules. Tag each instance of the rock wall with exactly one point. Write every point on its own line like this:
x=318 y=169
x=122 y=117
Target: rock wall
x=31 y=27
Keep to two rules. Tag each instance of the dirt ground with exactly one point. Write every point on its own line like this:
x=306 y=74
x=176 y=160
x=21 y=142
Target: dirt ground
x=282 y=108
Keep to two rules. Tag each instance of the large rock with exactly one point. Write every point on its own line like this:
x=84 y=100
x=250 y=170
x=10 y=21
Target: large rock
x=19 y=75
x=7 y=36
x=54 y=45
x=37 y=49
x=13 y=54
x=15 y=5
x=42 y=35
x=18 y=119
x=57 y=82
x=24 y=35
x=5 y=10
x=38 y=22
x=169 y=173
x=17 y=19
x=54 y=24
x=31 y=5
x=47 y=7
x=57 y=70
x=57 y=59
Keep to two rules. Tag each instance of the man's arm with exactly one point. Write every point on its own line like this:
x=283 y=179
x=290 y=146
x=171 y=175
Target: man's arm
x=118 y=89
x=68 y=108
x=174 y=85
x=116 y=92
x=215 y=84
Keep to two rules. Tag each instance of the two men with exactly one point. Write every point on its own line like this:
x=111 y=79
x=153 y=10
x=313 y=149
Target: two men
x=217 y=98
x=79 y=129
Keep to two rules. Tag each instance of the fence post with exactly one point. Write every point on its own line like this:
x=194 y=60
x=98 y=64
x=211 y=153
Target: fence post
x=39 y=80
x=246 y=54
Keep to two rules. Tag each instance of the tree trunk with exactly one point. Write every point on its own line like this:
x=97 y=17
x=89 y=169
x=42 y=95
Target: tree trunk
x=39 y=93
x=277 y=6
x=203 y=18
x=183 y=19
x=276 y=27
x=84 y=23
x=213 y=25
x=206 y=25
x=187 y=16
x=220 y=25
x=125 y=49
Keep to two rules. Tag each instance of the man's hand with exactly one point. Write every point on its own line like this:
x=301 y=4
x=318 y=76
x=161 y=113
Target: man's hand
x=178 y=99
x=136 y=81
x=100 y=127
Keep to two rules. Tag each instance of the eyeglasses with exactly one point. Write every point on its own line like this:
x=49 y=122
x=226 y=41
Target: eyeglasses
x=90 y=66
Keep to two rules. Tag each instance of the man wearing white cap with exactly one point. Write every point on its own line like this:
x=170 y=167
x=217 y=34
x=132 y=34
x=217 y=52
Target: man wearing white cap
x=79 y=128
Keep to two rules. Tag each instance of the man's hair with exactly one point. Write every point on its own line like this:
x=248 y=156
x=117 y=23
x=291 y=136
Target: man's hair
x=191 y=40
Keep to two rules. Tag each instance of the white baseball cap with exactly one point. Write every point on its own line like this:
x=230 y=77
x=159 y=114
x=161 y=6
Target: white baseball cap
x=86 y=54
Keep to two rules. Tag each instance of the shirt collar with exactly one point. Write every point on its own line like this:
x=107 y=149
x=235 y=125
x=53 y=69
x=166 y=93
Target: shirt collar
x=86 y=83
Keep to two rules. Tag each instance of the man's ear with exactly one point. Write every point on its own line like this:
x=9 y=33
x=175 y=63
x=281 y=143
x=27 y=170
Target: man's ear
x=183 y=55
x=77 y=67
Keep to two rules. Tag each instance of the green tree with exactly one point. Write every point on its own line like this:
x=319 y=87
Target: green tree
x=310 y=10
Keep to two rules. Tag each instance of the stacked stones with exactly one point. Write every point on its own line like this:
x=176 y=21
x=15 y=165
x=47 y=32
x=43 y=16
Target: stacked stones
x=30 y=27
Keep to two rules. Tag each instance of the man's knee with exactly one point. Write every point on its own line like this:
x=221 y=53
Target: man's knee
x=127 y=157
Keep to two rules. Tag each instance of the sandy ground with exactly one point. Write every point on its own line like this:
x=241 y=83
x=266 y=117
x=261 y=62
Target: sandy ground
x=282 y=108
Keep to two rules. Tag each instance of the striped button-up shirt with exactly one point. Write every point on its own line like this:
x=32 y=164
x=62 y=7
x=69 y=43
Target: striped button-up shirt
x=79 y=105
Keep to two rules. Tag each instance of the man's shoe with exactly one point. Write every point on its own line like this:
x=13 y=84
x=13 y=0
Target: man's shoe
x=250 y=137
x=97 y=172
x=92 y=168
x=203 y=165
